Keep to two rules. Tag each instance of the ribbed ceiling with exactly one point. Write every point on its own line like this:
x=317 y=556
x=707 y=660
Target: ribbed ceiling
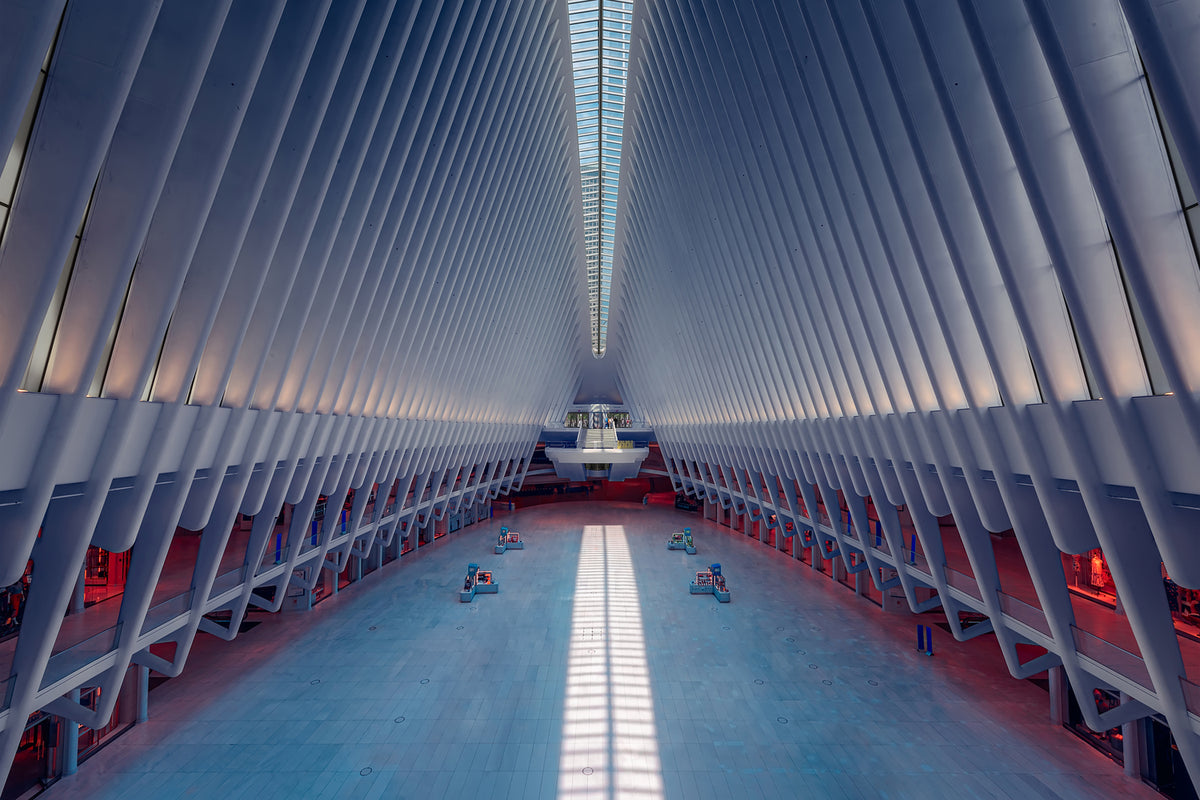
x=930 y=254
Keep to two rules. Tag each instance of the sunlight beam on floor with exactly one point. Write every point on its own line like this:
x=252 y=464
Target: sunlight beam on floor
x=609 y=743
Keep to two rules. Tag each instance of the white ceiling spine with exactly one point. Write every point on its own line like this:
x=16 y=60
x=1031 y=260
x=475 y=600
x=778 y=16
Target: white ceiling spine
x=254 y=253
x=934 y=253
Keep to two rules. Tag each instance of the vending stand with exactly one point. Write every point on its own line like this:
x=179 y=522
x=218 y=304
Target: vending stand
x=711 y=581
x=682 y=540
x=478 y=582
x=508 y=540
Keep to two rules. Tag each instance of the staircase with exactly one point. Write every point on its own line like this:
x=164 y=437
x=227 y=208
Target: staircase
x=600 y=439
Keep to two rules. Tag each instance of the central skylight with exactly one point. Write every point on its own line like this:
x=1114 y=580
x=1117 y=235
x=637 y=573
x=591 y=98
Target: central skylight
x=600 y=52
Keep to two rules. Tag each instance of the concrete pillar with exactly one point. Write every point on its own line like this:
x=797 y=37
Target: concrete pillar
x=143 y=693
x=70 y=744
x=331 y=582
x=77 y=595
x=1131 y=744
x=1058 y=695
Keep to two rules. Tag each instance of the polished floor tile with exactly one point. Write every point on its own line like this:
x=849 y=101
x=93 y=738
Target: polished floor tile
x=593 y=673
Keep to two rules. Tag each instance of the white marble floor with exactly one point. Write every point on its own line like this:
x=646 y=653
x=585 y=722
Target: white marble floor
x=587 y=678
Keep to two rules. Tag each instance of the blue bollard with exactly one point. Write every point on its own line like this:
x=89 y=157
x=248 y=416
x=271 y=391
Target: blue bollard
x=925 y=640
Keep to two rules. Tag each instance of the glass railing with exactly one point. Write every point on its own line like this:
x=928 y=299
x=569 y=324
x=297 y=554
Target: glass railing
x=277 y=548
x=963 y=582
x=223 y=583
x=1191 y=695
x=918 y=561
x=1110 y=655
x=1024 y=613
x=167 y=610
x=78 y=656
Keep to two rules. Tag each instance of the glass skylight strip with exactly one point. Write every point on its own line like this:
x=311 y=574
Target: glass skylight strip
x=600 y=35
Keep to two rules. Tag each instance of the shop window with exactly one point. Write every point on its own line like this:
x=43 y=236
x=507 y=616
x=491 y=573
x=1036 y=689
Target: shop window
x=104 y=575
x=1109 y=742
x=12 y=603
x=1165 y=770
x=842 y=574
x=1088 y=575
x=35 y=758
x=90 y=739
x=408 y=545
x=1184 y=604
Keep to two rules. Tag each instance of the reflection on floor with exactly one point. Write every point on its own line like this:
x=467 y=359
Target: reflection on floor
x=395 y=689
x=609 y=743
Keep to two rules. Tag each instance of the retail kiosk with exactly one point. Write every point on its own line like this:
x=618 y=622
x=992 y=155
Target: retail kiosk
x=508 y=540
x=682 y=540
x=478 y=582
x=711 y=581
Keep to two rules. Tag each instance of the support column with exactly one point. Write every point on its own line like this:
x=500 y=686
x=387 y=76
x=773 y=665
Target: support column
x=1131 y=744
x=70 y=745
x=1058 y=695
x=143 y=693
x=331 y=582
x=77 y=598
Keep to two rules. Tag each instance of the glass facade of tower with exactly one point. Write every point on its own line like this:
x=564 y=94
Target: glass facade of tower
x=600 y=52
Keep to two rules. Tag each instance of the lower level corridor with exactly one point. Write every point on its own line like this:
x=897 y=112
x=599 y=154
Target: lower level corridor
x=593 y=673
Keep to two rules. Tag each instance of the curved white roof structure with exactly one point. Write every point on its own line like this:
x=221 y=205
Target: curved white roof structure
x=930 y=254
